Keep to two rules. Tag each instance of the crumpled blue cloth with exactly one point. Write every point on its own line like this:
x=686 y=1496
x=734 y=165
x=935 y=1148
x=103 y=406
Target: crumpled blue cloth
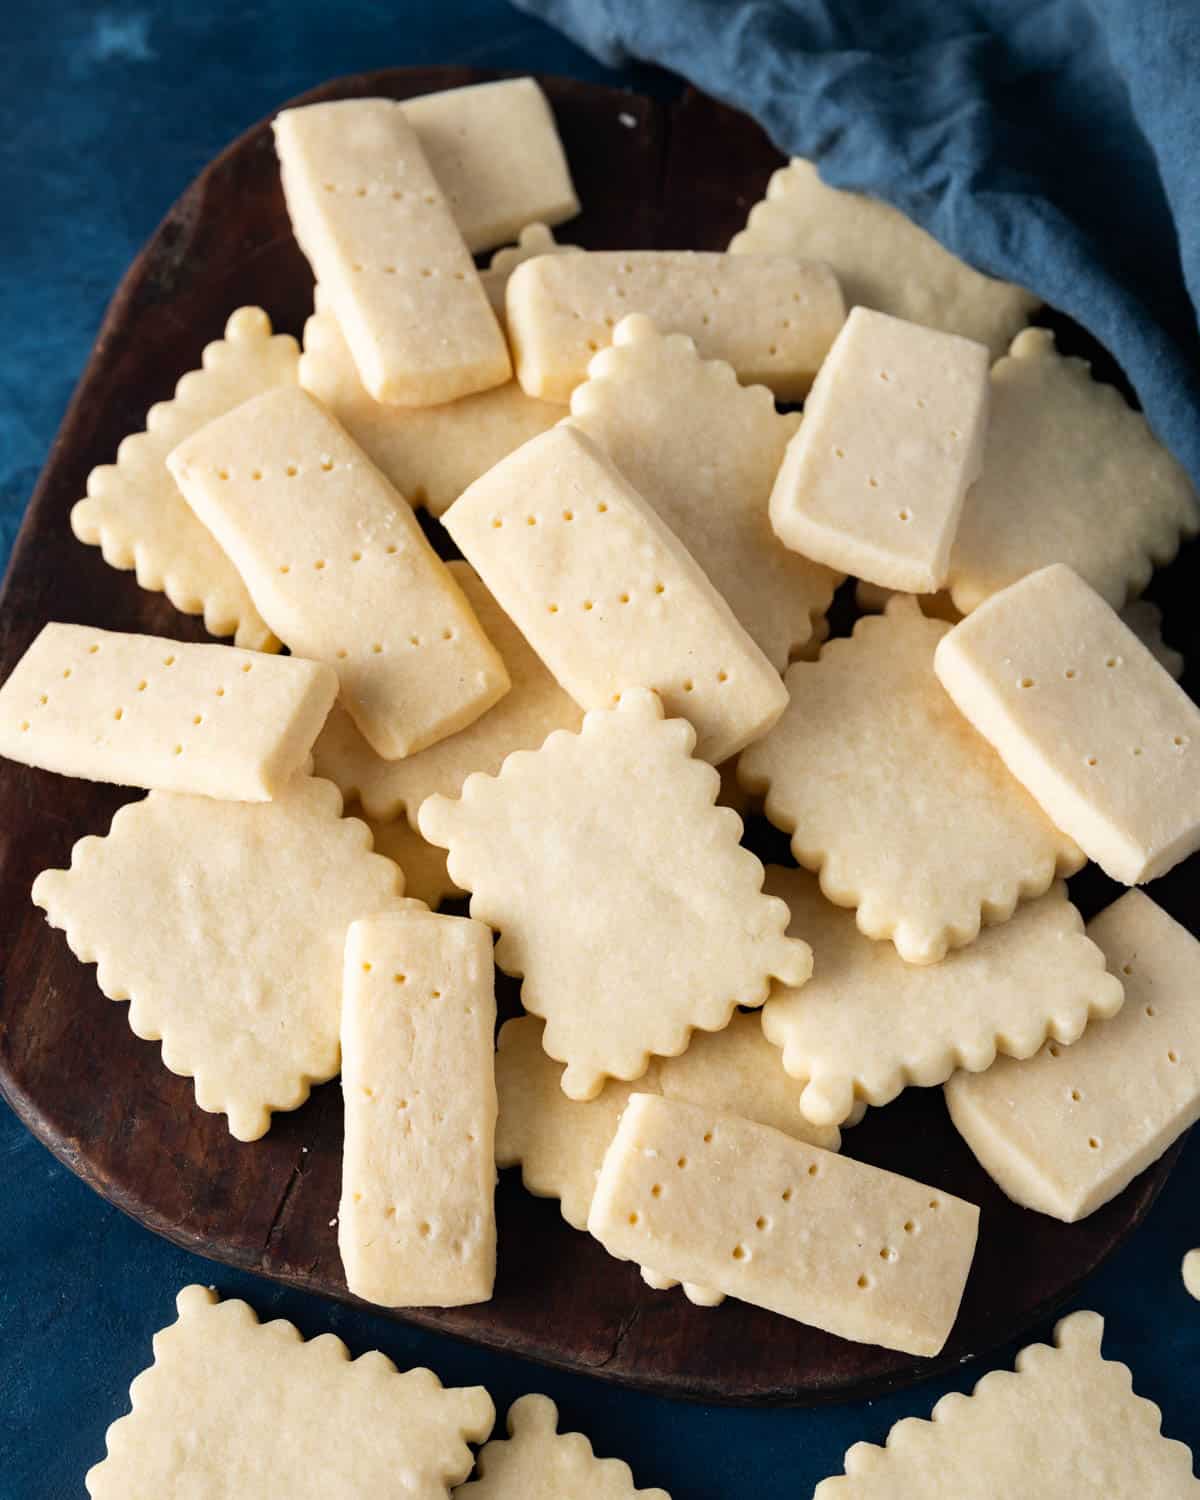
x=1054 y=143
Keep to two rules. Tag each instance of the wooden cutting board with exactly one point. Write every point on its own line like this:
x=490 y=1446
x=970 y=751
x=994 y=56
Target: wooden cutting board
x=649 y=174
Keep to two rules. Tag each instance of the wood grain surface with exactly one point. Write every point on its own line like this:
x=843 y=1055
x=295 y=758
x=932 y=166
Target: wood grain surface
x=680 y=175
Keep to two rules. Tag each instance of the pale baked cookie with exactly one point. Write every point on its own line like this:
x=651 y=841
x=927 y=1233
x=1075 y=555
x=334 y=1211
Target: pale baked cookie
x=1084 y=717
x=430 y=453
x=559 y=1143
x=773 y=320
x=134 y=512
x=867 y=1025
x=1145 y=620
x=620 y=892
x=537 y=1462
x=379 y=234
x=882 y=259
x=704 y=451
x=533 y=707
x=232 y=1408
x=341 y=567
x=904 y=811
x=746 y=1210
x=1071 y=474
x=426 y=877
x=416 y=1223
x=1065 y=1131
x=608 y=596
x=139 y=710
x=534 y=239
x=1191 y=1273
x=1065 y=1423
x=223 y=924
x=495 y=152
x=874 y=480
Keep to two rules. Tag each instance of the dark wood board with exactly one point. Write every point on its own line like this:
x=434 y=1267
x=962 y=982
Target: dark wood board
x=683 y=174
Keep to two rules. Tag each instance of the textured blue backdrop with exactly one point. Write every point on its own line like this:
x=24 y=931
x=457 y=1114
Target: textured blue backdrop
x=105 y=113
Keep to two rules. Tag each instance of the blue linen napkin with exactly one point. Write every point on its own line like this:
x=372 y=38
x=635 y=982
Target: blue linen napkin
x=1053 y=143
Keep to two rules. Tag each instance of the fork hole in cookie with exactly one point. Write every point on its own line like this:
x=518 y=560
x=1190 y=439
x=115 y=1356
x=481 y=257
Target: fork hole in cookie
x=1093 y=1143
x=887 y=1253
x=633 y=1218
x=864 y=1282
x=740 y=1252
x=656 y=1190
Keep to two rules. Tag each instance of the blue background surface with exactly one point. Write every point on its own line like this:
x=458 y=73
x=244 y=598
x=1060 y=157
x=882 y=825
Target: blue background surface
x=105 y=114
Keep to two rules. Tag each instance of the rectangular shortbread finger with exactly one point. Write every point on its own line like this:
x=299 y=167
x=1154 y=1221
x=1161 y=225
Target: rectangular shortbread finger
x=874 y=481
x=379 y=234
x=772 y=318
x=416 y=1225
x=1082 y=714
x=1065 y=1131
x=729 y=1204
x=338 y=566
x=495 y=152
x=607 y=596
x=141 y=711
x=231 y=1408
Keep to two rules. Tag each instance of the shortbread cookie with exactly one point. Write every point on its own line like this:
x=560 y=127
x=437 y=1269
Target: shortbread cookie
x=873 y=482
x=426 y=877
x=559 y=1143
x=533 y=708
x=231 y=1408
x=1191 y=1273
x=889 y=795
x=495 y=152
x=1065 y=1131
x=872 y=599
x=608 y=597
x=619 y=890
x=223 y=925
x=540 y=1463
x=142 y=711
x=1145 y=620
x=1084 y=717
x=134 y=512
x=1071 y=474
x=882 y=259
x=772 y=319
x=430 y=453
x=725 y=1203
x=339 y=565
x=867 y=1024
x=380 y=236
x=704 y=452
x=1066 y=1423
x=534 y=239
x=416 y=1222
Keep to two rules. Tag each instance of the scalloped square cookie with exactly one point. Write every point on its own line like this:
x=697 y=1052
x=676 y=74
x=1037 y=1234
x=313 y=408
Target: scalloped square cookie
x=192 y=911
x=533 y=707
x=232 y=1408
x=1071 y=474
x=1066 y=1422
x=1084 y=717
x=620 y=891
x=340 y=565
x=540 y=1463
x=430 y=453
x=608 y=595
x=882 y=259
x=892 y=798
x=559 y=1143
x=867 y=1024
x=747 y=1211
x=704 y=451
x=134 y=511
x=1067 y=1130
